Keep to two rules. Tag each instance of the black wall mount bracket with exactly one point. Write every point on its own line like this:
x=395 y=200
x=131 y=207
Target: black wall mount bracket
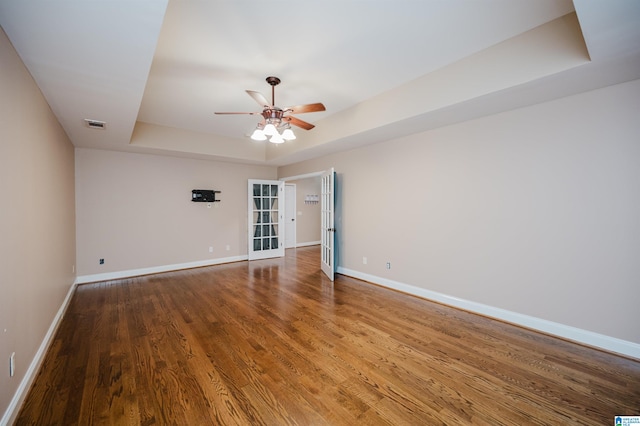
x=204 y=195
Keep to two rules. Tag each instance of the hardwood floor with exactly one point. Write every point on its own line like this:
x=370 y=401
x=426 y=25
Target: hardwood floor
x=273 y=342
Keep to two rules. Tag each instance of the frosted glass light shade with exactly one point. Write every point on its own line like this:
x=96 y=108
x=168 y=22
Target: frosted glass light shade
x=258 y=135
x=276 y=138
x=288 y=135
x=270 y=130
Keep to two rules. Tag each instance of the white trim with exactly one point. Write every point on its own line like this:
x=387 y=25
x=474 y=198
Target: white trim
x=307 y=244
x=21 y=393
x=156 y=269
x=299 y=177
x=578 y=335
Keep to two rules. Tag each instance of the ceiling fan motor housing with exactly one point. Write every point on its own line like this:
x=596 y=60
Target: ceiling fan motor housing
x=274 y=116
x=272 y=113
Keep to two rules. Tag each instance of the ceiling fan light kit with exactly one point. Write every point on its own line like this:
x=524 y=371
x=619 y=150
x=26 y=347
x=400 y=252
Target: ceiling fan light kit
x=269 y=129
x=288 y=134
x=258 y=135
x=274 y=119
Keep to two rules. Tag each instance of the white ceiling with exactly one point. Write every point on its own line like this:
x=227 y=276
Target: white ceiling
x=156 y=71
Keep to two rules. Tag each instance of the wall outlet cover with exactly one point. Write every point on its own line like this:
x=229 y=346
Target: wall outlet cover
x=12 y=364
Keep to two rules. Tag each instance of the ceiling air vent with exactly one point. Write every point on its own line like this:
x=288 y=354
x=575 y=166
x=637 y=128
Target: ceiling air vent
x=95 y=124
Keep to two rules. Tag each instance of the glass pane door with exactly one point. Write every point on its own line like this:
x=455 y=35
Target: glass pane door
x=266 y=212
x=328 y=224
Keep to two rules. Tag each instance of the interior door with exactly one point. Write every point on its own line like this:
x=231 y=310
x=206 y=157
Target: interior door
x=266 y=217
x=289 y=215
x=328 y=231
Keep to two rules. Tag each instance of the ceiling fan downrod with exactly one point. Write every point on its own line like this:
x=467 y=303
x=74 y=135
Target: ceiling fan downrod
x=273 y=81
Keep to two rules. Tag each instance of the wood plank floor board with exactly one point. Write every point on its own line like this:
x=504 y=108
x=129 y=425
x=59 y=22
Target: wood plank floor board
x=274 y=342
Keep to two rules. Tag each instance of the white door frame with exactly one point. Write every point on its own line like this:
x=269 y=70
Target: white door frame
x=304 y=176
x=290 y=219
x=330 y=270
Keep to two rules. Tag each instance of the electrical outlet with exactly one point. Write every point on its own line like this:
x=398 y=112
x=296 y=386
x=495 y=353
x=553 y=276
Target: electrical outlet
x=210 y=249
x=102 y=261
x=388 y=265
x=228 y=248
x=364 y=260
x=12 y=364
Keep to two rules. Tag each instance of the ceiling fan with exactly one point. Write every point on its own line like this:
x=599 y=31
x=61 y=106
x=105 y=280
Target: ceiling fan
x=275 y=118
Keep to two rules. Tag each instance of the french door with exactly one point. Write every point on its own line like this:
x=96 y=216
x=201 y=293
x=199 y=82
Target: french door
x=328 y=230
x=266 y=217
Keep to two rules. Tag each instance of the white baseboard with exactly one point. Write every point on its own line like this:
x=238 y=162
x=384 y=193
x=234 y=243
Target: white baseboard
x=11 y=413
x=310 y=243
x=83 y=279
x=610 y=344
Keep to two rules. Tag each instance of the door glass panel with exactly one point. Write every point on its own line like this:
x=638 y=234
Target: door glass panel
x=264 y=218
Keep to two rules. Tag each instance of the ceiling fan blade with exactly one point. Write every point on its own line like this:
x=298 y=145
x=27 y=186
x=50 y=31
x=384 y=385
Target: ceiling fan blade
x=299 y=109
x=297 y=122
x=250 y=113
x=259 y=98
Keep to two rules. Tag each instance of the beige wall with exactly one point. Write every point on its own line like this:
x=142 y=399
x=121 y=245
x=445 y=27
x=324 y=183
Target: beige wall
x=135 y=210
x=307 y=215
x=37 y=230
x=535 y=211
